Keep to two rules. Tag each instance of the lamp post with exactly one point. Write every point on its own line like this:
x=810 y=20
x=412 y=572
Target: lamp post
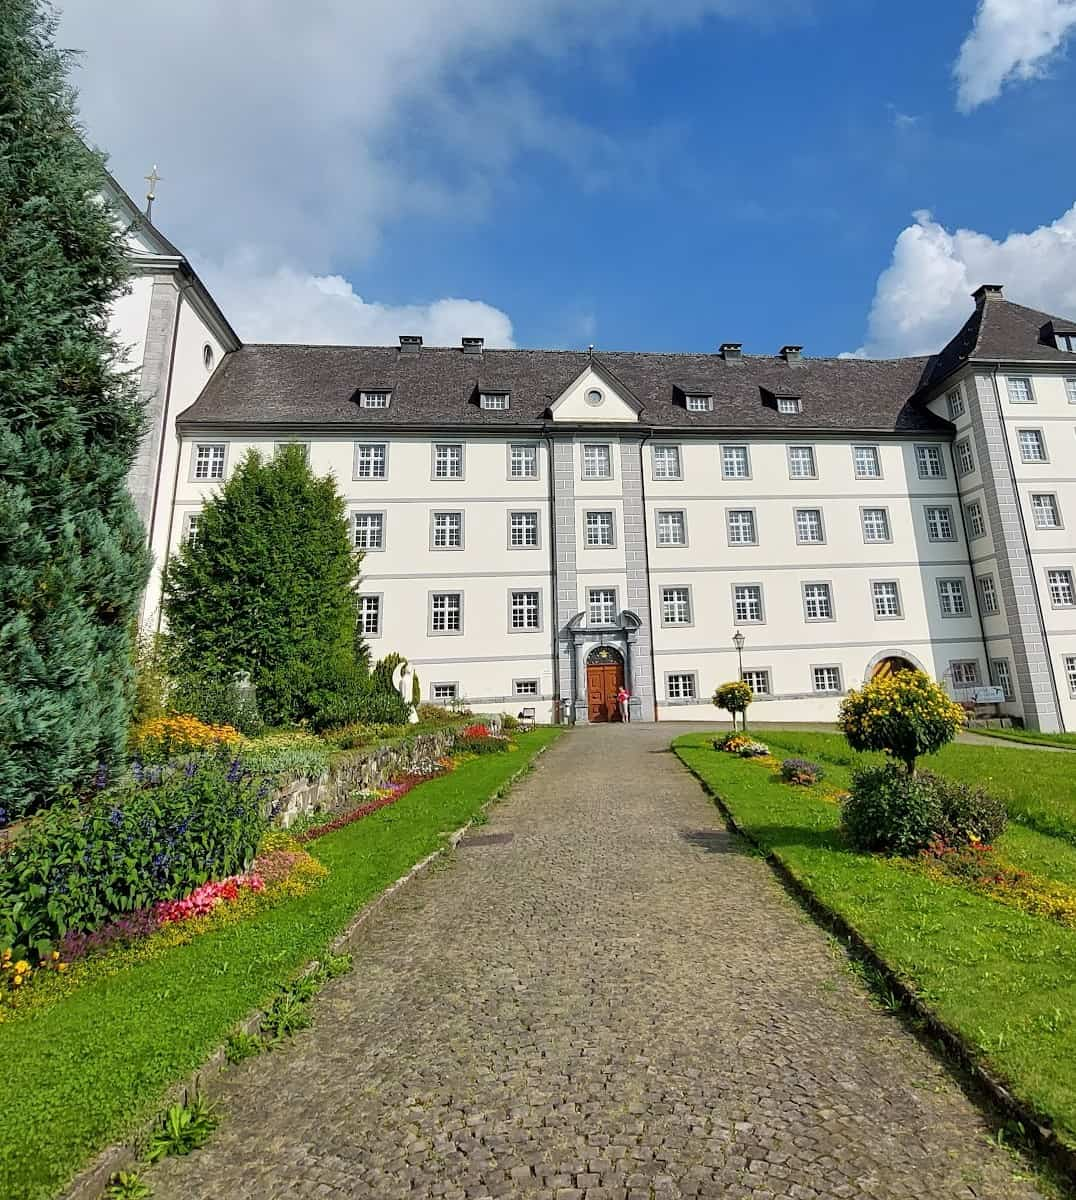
x=738 y=640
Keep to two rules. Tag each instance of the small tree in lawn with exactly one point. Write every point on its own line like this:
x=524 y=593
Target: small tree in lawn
x=734 y=697
x=905 y=715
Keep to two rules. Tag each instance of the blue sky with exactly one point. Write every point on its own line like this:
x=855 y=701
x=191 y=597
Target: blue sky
x=634 y=174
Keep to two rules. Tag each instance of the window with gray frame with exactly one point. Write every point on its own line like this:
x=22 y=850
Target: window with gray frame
x=1070 y=673
x=940 y=523
x=599 y=529
x=525 y=687
x=666 y=461
x=526 y=611
x=681 y=685
x=818 y=602
x=522 y=461
x=988 y=595
x=190 y=528
x=1001 y=676
x=676 y=605
x=1070 y=390
x=304 y=447
x=446 y=612
x=370 y=615
x=597 y=461
x=601 y=606
x=371 y=460
x=758 y=681
x=444 y=691
x=964 y=673
x=965 y=460
x=741 y=527
x=747 y=603
x=1032 y=443
x=789 y=405
x=735 y=462
x=375 y=399
x=1062 y=590
x=368 y=530
x=867 y=462
x=876 y=525
x=1045 y=511
x=523 y=530
x=447 y=531
x=448 y=460
x=493 y=401
x=973 y=514
x=671 y=527
x=809 y=530
x=952 y=598
x=209 y=460
x=826 y=679
x=1019 y=389
x=930 y=462
x=801 y=463
x=698 y=403
x=955 y=401
x=885 y=594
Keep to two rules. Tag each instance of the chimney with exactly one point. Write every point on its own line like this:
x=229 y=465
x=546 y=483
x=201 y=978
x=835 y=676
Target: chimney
x=987 y=291
x=410 y=343
x=473 y=345
x=791 y=354
x=732 y=351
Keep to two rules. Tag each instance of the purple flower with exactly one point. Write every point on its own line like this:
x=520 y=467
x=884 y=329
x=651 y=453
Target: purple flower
x=191 y=769
x=136 y=770
x=235 y=771
x=100 y=780
x=116 y=817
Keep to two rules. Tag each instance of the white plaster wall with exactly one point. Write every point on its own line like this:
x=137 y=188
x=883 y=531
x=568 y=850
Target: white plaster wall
x=128 y=319
x=572 y=405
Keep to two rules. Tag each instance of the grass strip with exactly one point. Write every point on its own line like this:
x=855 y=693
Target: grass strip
x=89 y=1069
x=1032 y=737
x=1002 y=980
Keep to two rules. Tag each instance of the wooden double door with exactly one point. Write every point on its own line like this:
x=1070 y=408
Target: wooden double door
x=604 y=679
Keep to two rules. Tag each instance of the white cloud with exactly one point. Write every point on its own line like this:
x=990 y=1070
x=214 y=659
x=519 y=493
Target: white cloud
x=283 y=304
x=923 y=296
x=307 y=133
x=1010 y=40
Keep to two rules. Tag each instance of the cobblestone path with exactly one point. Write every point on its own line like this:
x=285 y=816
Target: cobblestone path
x=615 y=1003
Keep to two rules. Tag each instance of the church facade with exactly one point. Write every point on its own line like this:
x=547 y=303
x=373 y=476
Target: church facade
x=540 y=527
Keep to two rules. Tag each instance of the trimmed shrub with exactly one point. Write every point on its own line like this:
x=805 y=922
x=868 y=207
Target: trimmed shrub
x=734 y=697
x=801 y=771
x=148 y=839
x=968 y=814
x=888 y=809
x=905 y=715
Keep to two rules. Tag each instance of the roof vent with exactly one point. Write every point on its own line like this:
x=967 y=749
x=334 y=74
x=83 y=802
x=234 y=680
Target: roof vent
x=410 y=343
x=732 y=351
x=791 y=354
x=987 y=291
x=473 y=345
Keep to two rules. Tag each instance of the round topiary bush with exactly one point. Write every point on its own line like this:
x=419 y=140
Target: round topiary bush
x=906 y=715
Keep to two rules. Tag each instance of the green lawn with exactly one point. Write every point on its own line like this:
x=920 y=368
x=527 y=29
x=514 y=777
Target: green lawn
x=94 y=1065
x=1031 y=736
x=1039 y=789
x=1004 y=980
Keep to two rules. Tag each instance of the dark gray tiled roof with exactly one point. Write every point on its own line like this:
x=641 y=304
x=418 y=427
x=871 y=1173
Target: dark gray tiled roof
x=1001 y=331
x=317 y=386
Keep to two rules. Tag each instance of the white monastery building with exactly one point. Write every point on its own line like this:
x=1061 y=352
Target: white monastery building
x=539 y=525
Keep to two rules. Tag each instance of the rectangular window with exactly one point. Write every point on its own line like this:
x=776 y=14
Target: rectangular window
x=448 y=460
x=886 y=595
x=940 y=524
x=368 y=530
x=446 y=612
x=448 y=531
x=526 y=611
x=1045 y=511
x=523 y=530
x=666 y=462
x=788 y=405
x=190 y=532
x=493 y=401
x=809 y=531
x=741 y=524
x=1032 y=445
x=601 y=606
x=955 y=400
x=681 y=686
x=868 y=463
x=1001 y=676
x=672 y=528
x=525 y=687
x=370 y=615
x=597 y=462
x=1019 y=387
x=676 y=606
x=371 y=460
x=951 y=597
x=444 y=691
x=988 y=595
x=735 y=462
x=973 y=514
x=929 y=461
x=876 y=525
x=599 y=529
x=826 y=679
x=698 y=403
x=1062 y=591
x=747 y=603
x=817 y=602
x=304 y=448
x=1070 y=390
x=209 y=461
x=523 y=462
x=1070 y=673
x=758 y=682
x=964 y=673
x=377 y=399
x=801 y=463
x=965 y=460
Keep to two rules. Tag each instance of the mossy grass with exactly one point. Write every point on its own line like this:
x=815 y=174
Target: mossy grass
x=104 y=1054
x=1001 y=979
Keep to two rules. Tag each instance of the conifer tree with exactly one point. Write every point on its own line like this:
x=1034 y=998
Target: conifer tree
x=267 y=590
x=73 y=560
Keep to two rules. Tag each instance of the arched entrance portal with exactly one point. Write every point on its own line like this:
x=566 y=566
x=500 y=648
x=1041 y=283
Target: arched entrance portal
x=890 y=666
x=605 y=673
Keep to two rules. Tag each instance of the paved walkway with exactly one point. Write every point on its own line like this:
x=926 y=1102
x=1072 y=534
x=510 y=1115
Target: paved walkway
x=615 y=1003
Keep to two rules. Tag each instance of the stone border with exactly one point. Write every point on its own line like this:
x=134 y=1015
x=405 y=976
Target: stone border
x=1037 y=1127
x=91 y=1181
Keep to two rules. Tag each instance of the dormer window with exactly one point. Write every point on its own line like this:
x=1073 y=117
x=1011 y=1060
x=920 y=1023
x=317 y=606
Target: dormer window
x=376 y=399
x=696 y=402
x=493 y=401
x=789 y=405
x=1065 y=341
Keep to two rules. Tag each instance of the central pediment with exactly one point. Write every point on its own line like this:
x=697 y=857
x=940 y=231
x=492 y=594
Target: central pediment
x=596 y=395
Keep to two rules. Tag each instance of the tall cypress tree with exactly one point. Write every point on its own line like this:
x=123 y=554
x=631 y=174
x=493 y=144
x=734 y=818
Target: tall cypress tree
x=73 y=560
x=267 y=590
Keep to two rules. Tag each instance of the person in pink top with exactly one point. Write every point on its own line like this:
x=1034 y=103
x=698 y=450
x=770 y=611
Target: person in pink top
x=623 y=702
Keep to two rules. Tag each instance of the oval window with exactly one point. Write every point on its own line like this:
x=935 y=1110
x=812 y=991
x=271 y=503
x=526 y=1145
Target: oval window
x=208 y=356
x=594 y=397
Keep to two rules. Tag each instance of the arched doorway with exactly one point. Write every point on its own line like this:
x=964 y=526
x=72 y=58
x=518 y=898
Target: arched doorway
x=605 y=674
x=891 y=665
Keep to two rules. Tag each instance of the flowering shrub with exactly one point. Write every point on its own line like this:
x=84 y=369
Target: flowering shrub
x=754 y=750
x=905 y=715
x=475 y=731
x=289 y=753
x=734 y=697
x=162 y=738
x=151 y=838
x=732 y=743
x=801 y=771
